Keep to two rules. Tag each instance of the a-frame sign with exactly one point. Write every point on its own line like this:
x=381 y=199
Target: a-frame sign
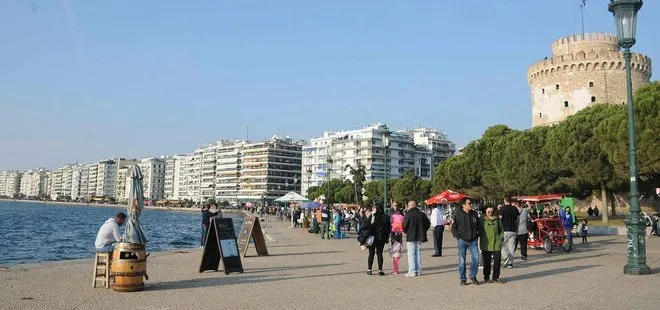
x=221 y=245
x=251 y=229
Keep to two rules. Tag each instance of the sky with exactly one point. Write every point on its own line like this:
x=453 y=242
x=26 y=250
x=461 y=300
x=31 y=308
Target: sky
x=82 y=81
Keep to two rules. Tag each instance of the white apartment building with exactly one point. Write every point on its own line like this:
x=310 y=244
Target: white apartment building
x=189 y=178
x=228 y=170
x=153 y=181
x=173 y=178
x=207 y=157
x=10 y=183
x=334 y=152
x=106 y=179
x=61 y=183
x=33 y=183
x=88 y=176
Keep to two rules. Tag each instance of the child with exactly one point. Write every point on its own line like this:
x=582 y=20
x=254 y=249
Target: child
x=395 y=251
x=584 y=231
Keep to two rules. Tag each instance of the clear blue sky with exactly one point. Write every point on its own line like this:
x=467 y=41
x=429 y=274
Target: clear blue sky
x=86 y=80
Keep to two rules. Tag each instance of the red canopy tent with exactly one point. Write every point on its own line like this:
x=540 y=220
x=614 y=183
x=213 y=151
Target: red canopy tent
x=541 y=198
x=447 y=196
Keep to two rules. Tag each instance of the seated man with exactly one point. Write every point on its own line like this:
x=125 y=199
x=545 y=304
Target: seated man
x=109 y=233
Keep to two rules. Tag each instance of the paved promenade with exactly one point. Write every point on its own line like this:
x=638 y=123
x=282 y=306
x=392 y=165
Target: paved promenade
x=304 y=272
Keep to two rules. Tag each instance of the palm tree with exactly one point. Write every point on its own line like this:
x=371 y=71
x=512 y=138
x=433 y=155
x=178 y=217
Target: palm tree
x=359 y=176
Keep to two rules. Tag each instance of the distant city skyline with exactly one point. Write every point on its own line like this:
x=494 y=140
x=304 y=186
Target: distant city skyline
x=76 y=85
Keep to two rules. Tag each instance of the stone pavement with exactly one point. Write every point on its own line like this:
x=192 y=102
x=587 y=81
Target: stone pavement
x=305 y=272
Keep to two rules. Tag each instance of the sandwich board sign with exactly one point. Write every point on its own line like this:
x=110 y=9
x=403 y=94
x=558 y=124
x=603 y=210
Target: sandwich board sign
x=221 y=246
x=251 y=230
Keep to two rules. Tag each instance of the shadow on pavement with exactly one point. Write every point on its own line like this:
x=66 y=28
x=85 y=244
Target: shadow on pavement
x=550 y=272
x=305 y=253
x=258 y=270
x=534 y=263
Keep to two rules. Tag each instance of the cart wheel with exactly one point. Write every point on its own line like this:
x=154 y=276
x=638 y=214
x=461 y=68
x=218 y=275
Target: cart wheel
x=567 y=246
x=547 y=245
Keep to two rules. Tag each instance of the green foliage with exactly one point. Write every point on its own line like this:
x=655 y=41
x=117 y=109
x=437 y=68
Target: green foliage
x=586 y=151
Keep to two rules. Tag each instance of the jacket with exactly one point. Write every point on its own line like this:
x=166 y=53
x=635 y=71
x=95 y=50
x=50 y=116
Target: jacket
x=492 y=234
x=108 y=233
x=380 y=228
x=523 y=220
x=510 y=215
x=325 y=216
x=415 y=225
x=466 y=226
x=397 y=223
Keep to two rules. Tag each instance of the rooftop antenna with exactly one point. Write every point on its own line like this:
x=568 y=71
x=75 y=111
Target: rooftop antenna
x=247 y=132
x=584 y=3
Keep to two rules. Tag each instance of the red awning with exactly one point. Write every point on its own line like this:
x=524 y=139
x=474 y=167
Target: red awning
x=446 y=197
x=541 y=198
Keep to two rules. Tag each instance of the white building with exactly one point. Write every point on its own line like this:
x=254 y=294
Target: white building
x=153 y=182
x=189 y=178
x=34 y=183
x=418 y=150
x=10 y=183
x=173 y=178
x=106 y=179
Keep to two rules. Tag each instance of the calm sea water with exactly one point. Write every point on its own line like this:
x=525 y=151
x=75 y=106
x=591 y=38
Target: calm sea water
x=35 y=232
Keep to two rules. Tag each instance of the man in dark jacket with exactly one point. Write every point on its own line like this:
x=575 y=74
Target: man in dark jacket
x=509 y=215
x=415 y=225
x=325 y=223
x=467 y=229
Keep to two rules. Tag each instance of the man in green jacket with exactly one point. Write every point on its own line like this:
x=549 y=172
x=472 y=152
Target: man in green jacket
x=490 y=241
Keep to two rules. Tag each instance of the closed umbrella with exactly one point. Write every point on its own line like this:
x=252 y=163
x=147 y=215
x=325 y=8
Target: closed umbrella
x=134 y=231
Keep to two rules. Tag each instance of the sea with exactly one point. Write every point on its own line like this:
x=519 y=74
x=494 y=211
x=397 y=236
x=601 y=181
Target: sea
x=34 y=232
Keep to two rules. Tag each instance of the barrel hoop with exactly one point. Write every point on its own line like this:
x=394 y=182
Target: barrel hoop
x=134 y=274
x=121 y=260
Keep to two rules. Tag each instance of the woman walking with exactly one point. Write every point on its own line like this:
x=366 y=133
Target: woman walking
x=380 y=228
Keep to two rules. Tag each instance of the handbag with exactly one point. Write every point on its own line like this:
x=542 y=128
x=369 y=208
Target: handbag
x=369 y=241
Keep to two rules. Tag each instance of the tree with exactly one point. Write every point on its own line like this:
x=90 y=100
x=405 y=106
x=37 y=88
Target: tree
x=358 y=175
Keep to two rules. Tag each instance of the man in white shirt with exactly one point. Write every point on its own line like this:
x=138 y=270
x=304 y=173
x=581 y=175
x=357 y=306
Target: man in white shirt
x=438 y=224
x=109 y=233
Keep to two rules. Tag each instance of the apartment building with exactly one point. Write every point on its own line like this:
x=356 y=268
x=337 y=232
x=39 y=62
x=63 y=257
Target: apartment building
x=10 y=183
x=153 y=181
x=333 y=154
x=207 y=168
x=33 y=183
x=106 y=179
x=123 y=187
x=173 y=176
x=189 y=178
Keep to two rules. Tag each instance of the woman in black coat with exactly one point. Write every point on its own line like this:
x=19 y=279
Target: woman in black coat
x=377 y=225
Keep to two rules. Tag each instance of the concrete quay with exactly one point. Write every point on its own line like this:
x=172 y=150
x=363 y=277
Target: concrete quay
x=305 y=272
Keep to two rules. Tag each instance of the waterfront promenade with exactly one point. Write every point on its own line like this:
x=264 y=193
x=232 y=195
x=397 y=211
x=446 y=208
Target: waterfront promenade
x=305 y=272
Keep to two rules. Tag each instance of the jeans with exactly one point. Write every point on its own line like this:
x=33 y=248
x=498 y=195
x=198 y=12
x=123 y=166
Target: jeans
x=106 y=248
x=337 y=234
x=463 y=247
x=438 y=232
x=378 y=250
x=325 y=227
x=205 y=229
x=414 y=257
x=508 y=246
x=497 y=257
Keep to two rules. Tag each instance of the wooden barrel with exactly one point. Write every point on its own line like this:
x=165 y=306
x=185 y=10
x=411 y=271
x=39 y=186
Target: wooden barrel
x=129 y=265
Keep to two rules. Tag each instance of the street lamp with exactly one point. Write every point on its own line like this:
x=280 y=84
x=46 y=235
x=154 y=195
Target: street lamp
x=328 y=177
x=309 y=180
x=625 y=18
x=386 y=146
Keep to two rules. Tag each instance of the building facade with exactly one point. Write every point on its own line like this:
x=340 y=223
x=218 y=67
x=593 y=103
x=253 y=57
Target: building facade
x=584 y=70
x=10 y=183
x=153 y=181
x=34 y=183
x=106 y=179
x=334 y=154
x=173 y=178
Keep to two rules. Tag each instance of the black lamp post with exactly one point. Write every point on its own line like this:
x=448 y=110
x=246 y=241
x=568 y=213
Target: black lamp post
x=328 y=177
x=625 y=18
x=309 y=181
x=386 y=146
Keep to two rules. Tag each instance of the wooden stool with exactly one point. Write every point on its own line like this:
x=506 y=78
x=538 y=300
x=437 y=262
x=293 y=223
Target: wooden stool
x=102 y=262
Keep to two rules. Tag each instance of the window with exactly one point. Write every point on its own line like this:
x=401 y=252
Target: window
x=557 y=86
x=540 y=115
x=543 y=90
x=565 y=104
x=591 y=84
x=593 y=99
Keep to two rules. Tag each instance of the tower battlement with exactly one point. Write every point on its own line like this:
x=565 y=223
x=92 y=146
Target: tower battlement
x=583 y=70
x=585 y=42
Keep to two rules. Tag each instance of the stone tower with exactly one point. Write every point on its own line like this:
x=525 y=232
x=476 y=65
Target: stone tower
x=584 y=70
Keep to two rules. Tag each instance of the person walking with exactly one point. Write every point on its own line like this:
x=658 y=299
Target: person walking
x=438 y=224
x=395 y=251
x=325 y=222
x=380 y=229
x=509 y=215
x=491 y=245
x=397 y=223
x=415 y=226
x=523 y=234
x=583 y=231
x=466 y=228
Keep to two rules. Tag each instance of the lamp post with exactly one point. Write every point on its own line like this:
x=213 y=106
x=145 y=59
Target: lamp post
x=328 y=177
x=625 y=18
x=386 y=146
x=309 y=180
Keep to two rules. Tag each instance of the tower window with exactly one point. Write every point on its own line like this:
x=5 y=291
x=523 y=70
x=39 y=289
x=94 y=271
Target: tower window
x=591 y=84
x=540 y=115
x=543 y=90
x=565 y=104
x=557 y=86
x=593 y=99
